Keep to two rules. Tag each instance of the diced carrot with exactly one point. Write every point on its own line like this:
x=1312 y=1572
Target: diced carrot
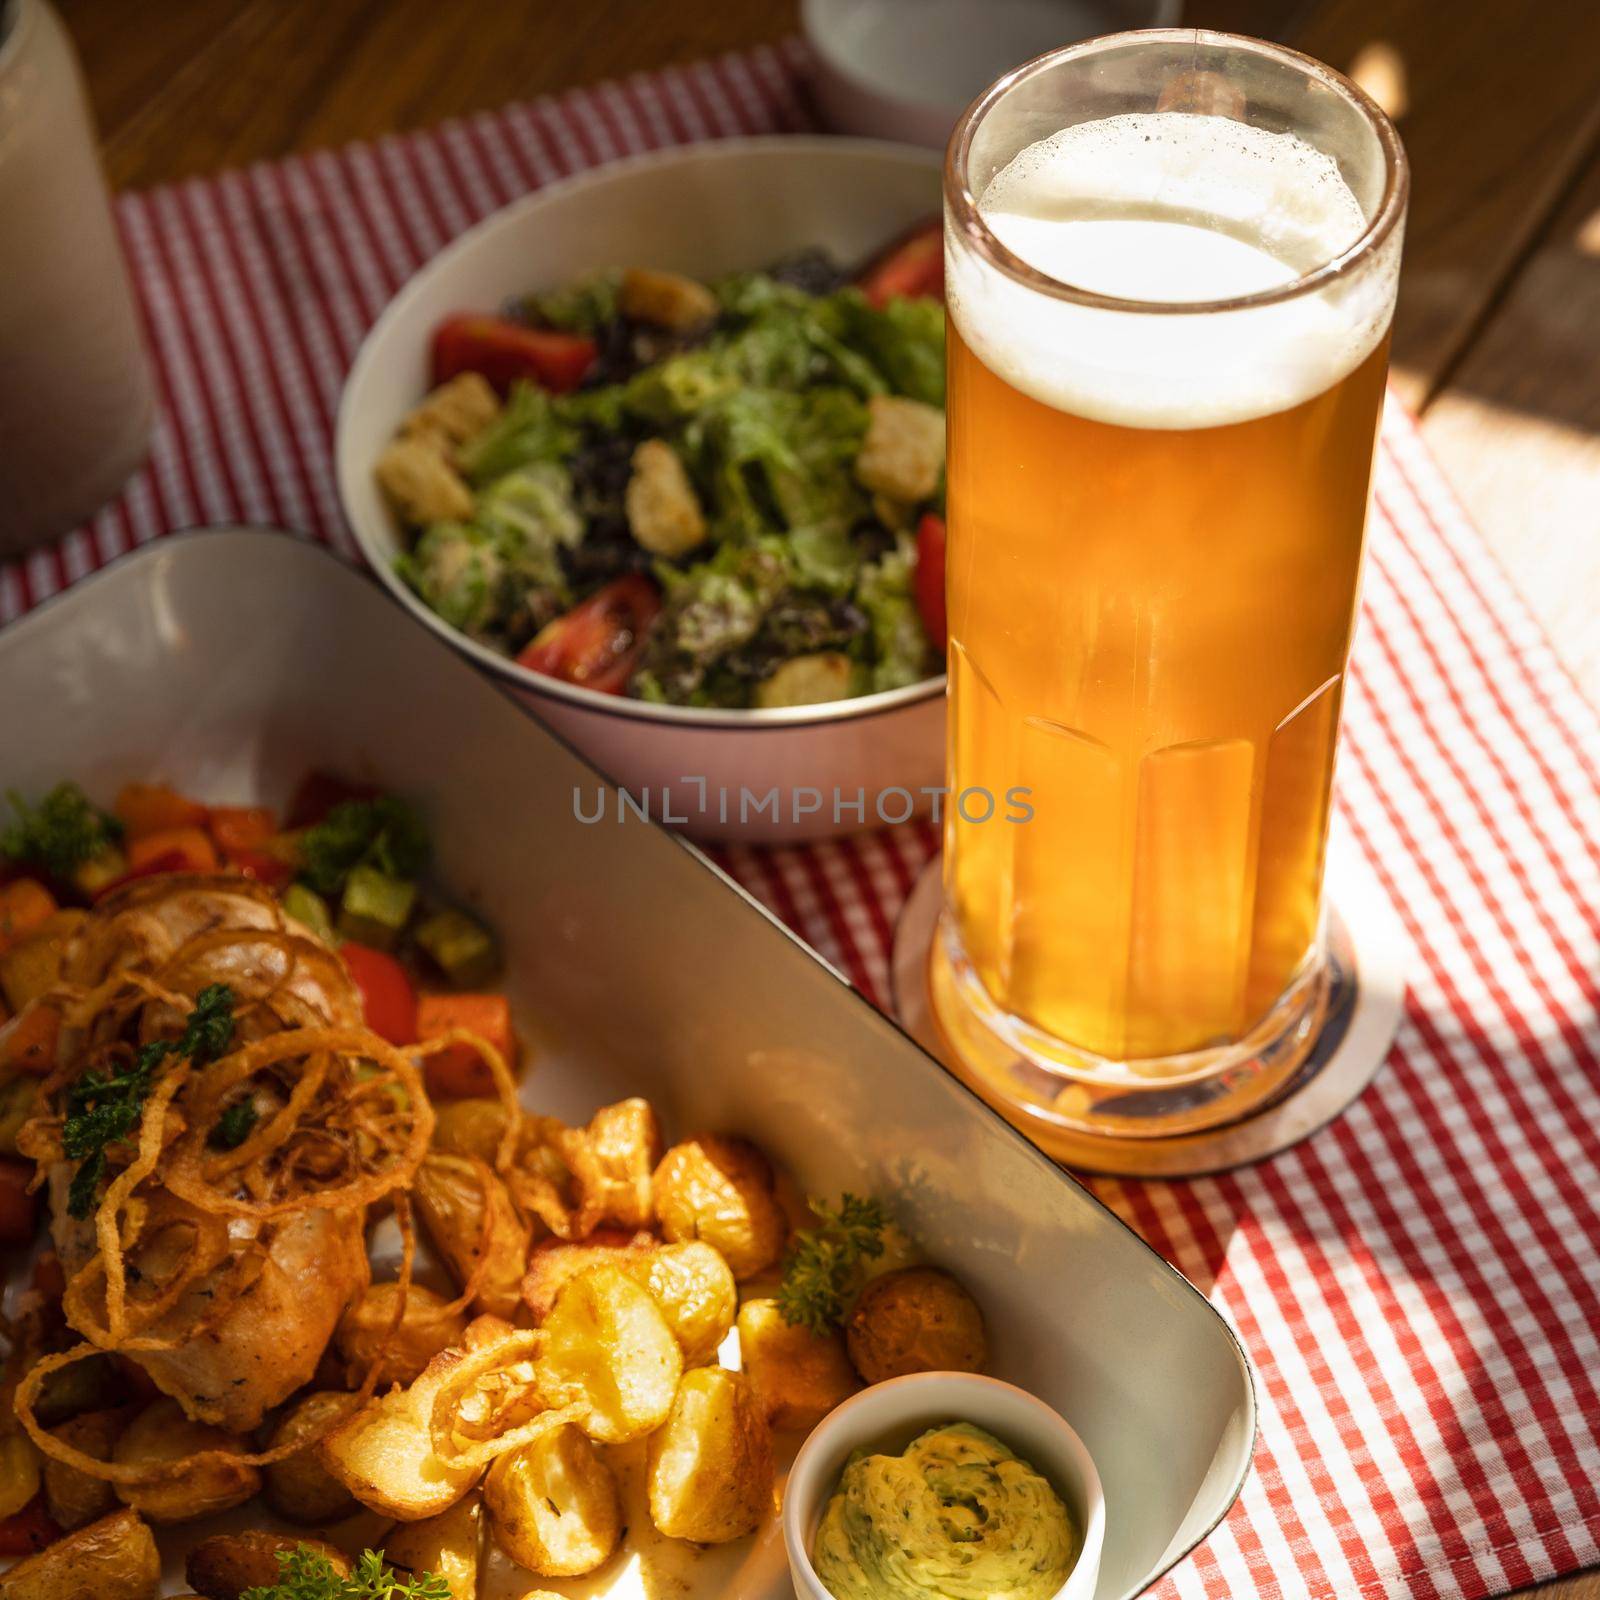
x=23 y=906
x=241 y=827
x=19 y=1209
x=156 y=808
x=29 y=1045
x=459 y=1071
x=193 y=845
x=30 y=1530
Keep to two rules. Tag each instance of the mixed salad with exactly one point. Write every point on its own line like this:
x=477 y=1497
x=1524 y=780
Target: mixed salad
x=722 y=494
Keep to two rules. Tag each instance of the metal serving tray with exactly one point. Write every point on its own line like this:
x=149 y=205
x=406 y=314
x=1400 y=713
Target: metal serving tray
x=230 y=662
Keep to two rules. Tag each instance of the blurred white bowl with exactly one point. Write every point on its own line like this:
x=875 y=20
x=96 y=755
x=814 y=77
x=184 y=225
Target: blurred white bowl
x=704 y=209
x=906 y=69
x=888 y=1416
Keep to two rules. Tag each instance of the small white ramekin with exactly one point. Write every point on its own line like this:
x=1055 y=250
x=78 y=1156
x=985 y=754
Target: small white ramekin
x=888 y=1416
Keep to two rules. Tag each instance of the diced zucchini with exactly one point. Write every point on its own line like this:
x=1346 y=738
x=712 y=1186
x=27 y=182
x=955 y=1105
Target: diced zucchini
x=99 y=871
x=375 y=908
x=307 y=906
x=16 y=1106
x=466 y=952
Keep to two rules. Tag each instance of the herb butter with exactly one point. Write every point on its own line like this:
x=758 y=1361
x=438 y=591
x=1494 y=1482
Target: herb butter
x=957 y=1516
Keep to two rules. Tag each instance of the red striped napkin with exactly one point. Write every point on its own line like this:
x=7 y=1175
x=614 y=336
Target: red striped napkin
x=1418 y=1285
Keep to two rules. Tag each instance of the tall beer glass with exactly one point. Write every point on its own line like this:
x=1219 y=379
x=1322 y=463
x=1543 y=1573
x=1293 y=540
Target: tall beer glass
x=1171 y=260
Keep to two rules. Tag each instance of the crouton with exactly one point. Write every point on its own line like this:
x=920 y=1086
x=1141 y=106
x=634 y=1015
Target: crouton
x=456 y=411
x=806 y=681
x=664 y=512
x=421 y=483
x=903 y=452
x=665 y=299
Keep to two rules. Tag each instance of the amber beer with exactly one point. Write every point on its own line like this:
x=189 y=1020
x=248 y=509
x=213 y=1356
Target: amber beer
x=1161 y=440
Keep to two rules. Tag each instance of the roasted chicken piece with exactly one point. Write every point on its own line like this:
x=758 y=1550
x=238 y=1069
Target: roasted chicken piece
x=281 y=1283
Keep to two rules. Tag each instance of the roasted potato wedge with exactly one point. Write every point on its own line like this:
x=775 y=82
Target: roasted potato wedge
x=918 y=1319
x=446 y=1545
x=798 y=1377
x=695 y=1290
x=554 y=1506
x=721 y=1191
x=470 y=1127
x=608 y=1348
x=450 y=1192
x=30 y=966
x=710 y=1463
x=300 y=1488
x=625 y=1142
x=384 y=1455
x=553 y=1263
x=21 y=1471
x=426 y=1327
x=73 y=1498
x=224 y=1566
x=112 y=1559
x=161 y=1432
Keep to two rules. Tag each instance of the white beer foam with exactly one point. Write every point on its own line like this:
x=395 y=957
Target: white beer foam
x=1170 y=207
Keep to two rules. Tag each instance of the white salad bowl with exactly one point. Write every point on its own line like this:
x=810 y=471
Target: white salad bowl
x=705 y=209
x=888 y=1416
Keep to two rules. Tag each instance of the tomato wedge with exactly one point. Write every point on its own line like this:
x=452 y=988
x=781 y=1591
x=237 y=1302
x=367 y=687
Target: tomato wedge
x=504 y=351
x=928 y=583
x=320 y=792
x=261 y=865
x=19 y=1210
x=48 y=1276
x=912 y=268
x=387 y=999
x=30 y=1530
x=599 y=641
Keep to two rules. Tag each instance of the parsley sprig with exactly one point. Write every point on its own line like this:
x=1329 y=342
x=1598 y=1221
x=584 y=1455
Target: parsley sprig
x=60 y=833
x=824 y=1268
x=306 y=1575
x=234 y=1126
x=103 y=1107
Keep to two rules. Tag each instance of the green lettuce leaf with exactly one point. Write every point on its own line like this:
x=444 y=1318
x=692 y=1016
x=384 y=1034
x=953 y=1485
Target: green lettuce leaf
x=901 y=649
x=528 y=430
x=709 y=611
x=584 y=306
x=530 y=517
x=457 y=569
x=904 y=342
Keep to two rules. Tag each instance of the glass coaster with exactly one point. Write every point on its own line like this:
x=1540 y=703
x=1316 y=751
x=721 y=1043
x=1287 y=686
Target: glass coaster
x=1367 y=958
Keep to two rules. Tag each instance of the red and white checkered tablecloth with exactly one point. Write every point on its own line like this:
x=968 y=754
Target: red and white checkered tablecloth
x=1419 y=1284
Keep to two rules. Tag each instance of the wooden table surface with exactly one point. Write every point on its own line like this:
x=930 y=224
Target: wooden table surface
x=1497 y=337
